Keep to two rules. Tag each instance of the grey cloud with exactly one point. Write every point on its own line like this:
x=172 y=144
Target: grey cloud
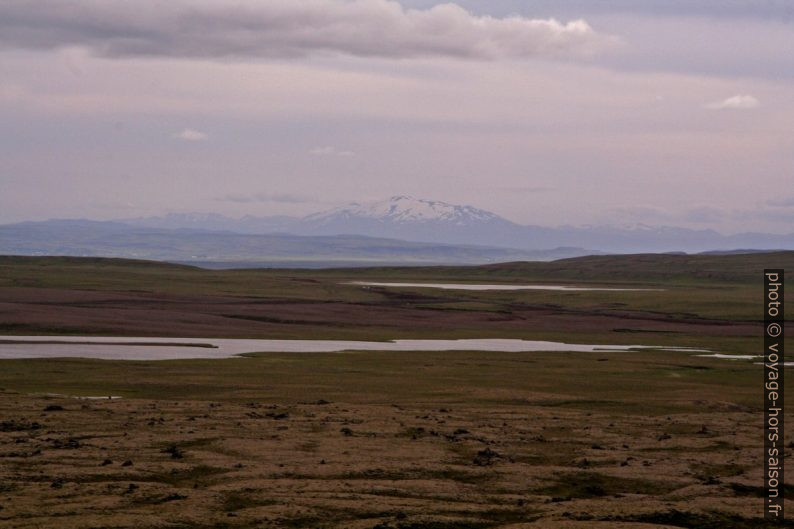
x=753 y=9
x=644 y=213
x=283 y=198
x=771 y=215
x=528 y=189
x=781 y=202
x=287 y=28
x=714 y=215
x=709 y=215
x=704 y=214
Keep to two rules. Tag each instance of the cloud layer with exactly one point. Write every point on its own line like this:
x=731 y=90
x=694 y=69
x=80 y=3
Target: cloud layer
x=190 y=135
x=330 y=151
x=737 y=102
x=287 y=28
x=258 y=198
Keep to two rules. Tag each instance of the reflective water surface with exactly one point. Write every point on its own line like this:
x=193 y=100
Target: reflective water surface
x=142 y=348
x=496 y=286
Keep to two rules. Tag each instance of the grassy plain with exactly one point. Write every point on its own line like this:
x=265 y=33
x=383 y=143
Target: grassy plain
x=373 y=440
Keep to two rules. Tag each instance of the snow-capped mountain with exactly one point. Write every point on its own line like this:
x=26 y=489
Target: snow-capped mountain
x=413 y=219
x=404 y=209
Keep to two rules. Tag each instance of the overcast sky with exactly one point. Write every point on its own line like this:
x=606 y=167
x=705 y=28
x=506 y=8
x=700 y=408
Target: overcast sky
x=660 y=112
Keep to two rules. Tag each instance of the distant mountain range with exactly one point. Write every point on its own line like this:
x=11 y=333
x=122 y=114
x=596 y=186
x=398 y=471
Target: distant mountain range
x=225 y=248
x=419 y=220
x=400 y=230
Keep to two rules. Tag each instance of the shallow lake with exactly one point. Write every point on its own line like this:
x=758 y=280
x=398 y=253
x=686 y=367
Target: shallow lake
x=731 y=357
x=134 y=348
x=496 y=286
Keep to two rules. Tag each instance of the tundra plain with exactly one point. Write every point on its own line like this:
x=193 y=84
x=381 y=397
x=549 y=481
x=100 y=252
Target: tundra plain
x=384 y=440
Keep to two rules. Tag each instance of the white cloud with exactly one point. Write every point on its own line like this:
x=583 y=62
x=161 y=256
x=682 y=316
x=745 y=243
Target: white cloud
x=190 y=135
x=287 y=28
x=330 y=151
x=737 y=102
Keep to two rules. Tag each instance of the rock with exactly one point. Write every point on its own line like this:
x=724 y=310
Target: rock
x=175 y=451
x=485 y=457
x=18 y=426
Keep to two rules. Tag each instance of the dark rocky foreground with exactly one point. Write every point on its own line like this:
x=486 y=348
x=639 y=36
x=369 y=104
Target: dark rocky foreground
x=198 y=464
